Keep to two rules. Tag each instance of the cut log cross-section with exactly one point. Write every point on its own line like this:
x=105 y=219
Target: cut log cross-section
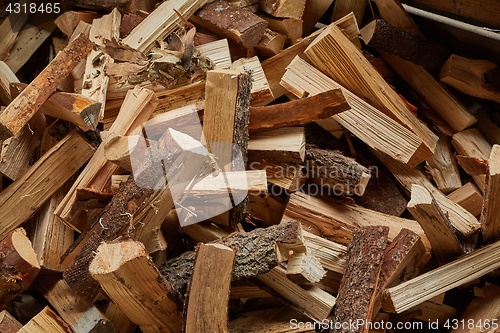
x=22 y=108
x=128 y=276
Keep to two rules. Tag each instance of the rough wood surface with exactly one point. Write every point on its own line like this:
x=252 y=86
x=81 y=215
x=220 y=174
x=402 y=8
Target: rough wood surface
x=283 y=8
x=207 y=308
x=10 y=28
x=437 y=227
x=256 y=254
x=469 y=197
x=472 y=77
x=456 y=273
x=6 y=78
x=363 y=79
x=271 y=43
x=359 y=284
x=18 y=265
x=335 y=171
x=232 y=22
x=412 y=47
x=290 y=27
x=298 y=112
x=45 y=321
x=160 y=23
x=22 y=108
x=138 y=200
x=81 y=316
x=129 y=277
x=45 y=177
x=490 y=216
x=9 y=324
x=259 y=90
x=373 y=127
x=286 y=145
x=443 y=167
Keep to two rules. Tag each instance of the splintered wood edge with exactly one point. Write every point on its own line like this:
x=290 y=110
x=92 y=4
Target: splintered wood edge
x=111 y=256
x=24 y=248
x=419 y=195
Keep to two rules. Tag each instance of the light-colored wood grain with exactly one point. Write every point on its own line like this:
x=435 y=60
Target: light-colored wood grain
x=285 y=145
x=260 y=86
x=469 y=197
x=443 y=167
x=45 y=321
x=7 y=76
x=10 y=28
x=218 y=52
x=490 y=216
x=283 y=8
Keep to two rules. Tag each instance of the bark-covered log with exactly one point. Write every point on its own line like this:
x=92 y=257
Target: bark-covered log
x=255 y=254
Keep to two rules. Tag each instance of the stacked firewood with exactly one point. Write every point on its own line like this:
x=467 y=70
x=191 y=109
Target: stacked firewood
x=244 y=166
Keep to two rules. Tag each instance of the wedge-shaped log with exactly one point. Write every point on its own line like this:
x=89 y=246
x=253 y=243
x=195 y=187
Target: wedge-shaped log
x=299 y=112
x=18 y=202
x=456 y=273
x=463 y=221
x=372 y=126
x=490 y=216
x=477 y=78
x=235 y=23
x=346 y=64
x=202 y=300
x=45 y=321
x=22 y=108
x=359 y=285
x=129 y=277
x=18 y=265
x=437 y=227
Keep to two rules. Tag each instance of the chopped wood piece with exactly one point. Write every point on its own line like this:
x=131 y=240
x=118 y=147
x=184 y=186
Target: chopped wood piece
x=29 y=39
x=95 y=80
x=260 y=90
x=332 y=256
x=463 y=221
x=19 y=151
x=286 y=144
x=81 y=316
x=22 y=108
x=201 y=300
x=369 y=124
x=472 y=143
x=160 y=23
x=68 y=21
x=126 y=150
x=403 y=259
x=45 y=321
x=7 y=77
x=482 y=312
x=283 y=8
x=136 y=109
x=335 y=171
x=359 y=284
x=395 y=15
x=218 y=52
x=435 y=223
x=490 y=216
x=247 y=289
x=225 y=124
x=363 y=79
x=336 y=221
x=10 y=28
x=9 y=324
x=75 y=108
x=349 y=26
x=409 y=46
x=18 y=202
x=443 y=167
x=456 y=273
x=252 y=182
x=441 y=100
x=18 y=265
x=232 y=22
x=180 y=97
x=304 y=268
x=128 y=276
x=271 y=43
x=74 y=82
x=256 y=254
x=290 y=27
x=428 y=312
x=313 y=12
x=469 y=197
x=299 y=112
x=311 y=301
x=471 y=77
x=473 y=166
x=134 y=210
x=342 y=8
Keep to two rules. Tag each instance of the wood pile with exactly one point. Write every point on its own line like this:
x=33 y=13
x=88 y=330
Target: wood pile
x=245 y=166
